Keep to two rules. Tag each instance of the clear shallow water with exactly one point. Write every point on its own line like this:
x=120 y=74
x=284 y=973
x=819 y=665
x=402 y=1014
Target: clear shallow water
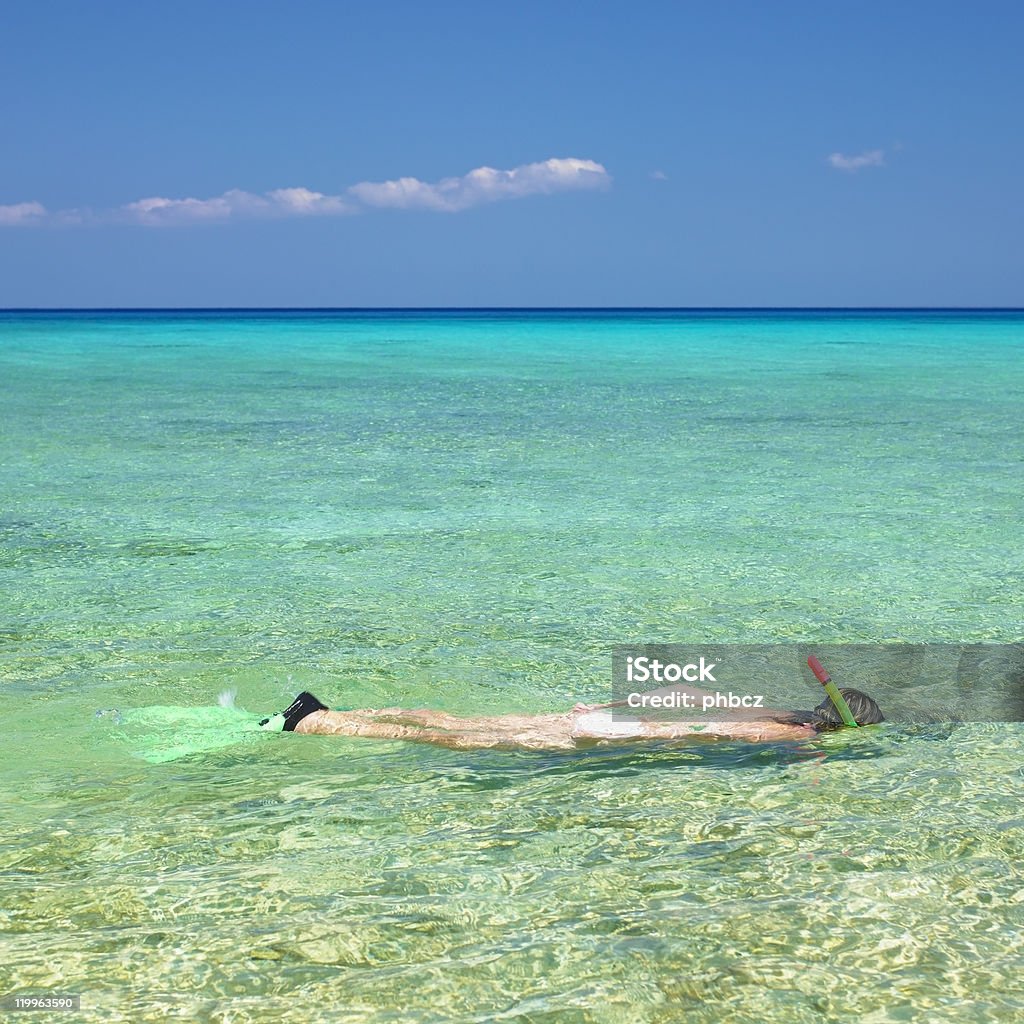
x=467 y=511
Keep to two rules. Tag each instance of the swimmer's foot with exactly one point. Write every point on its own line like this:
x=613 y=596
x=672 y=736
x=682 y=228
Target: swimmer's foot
x=285 y=721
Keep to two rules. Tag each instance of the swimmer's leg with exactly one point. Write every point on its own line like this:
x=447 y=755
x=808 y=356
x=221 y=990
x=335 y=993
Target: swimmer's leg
x=305 y=704
x=306 y=714
x=428 y=719
x=528 y=732
x=344 y=723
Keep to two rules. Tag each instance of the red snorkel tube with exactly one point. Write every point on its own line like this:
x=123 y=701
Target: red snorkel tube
x=832 y=690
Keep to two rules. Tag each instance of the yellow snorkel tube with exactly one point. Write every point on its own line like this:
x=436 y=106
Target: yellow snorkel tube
x=833 y=691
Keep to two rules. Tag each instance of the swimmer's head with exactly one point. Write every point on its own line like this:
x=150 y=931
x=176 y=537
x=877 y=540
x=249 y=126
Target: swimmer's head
x=864 y=710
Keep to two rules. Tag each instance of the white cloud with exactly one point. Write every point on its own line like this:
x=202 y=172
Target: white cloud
x=157 y=211
x=17 y=214
x=870 y=158
x=305 y=203
x=482 y=185
x=659 y=175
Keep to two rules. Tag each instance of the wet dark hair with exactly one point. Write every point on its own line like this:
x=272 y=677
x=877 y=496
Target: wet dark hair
x=864 y=710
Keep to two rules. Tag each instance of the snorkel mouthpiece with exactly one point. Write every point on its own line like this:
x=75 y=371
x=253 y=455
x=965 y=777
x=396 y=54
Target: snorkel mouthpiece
x=833 y=691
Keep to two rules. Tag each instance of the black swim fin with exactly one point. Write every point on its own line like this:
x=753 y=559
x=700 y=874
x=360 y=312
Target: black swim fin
x=304 y=704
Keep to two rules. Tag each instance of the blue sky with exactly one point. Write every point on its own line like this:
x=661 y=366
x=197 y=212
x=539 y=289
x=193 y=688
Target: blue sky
x=646 y=154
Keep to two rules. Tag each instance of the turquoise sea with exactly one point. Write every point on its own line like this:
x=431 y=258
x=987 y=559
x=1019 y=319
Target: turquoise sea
x=467 y=510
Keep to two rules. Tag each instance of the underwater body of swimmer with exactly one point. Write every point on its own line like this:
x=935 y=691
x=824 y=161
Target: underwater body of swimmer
x=580 y=726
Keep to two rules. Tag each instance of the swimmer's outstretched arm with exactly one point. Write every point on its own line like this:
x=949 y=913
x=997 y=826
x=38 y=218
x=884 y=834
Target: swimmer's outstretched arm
x=590 y=727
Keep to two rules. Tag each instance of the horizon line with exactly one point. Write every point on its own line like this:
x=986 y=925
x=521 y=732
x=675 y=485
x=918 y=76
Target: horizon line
x=511 y=309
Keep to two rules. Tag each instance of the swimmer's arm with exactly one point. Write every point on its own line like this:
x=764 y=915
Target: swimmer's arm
x=765 y=731
x=747 y=732
x=760 y=732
